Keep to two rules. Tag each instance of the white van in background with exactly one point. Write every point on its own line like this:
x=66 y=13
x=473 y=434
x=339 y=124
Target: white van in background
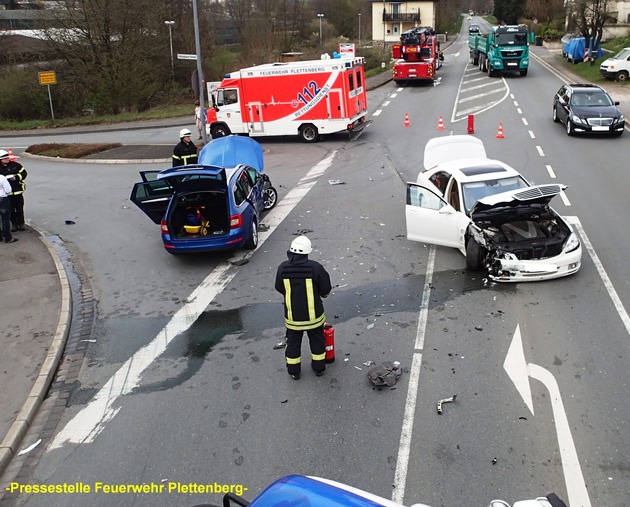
x=617 y=67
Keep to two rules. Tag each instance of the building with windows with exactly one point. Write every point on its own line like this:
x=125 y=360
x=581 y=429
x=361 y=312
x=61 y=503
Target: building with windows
x=391 y=18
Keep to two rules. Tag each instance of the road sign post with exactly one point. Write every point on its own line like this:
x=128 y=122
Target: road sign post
x=49 y=78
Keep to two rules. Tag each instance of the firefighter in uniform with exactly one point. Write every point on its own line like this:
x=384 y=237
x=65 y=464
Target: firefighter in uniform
x=16 y=174
x=185 y=152
x=303 y=282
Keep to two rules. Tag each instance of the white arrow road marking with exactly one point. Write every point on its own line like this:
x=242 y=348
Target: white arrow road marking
x=90 y=421
x=518 y=371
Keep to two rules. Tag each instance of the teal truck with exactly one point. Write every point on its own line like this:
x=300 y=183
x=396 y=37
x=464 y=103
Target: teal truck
x=504 y=49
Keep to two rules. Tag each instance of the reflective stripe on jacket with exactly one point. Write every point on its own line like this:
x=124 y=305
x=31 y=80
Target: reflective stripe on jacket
x=184 y=154
x=303 y=283
x=19 y=174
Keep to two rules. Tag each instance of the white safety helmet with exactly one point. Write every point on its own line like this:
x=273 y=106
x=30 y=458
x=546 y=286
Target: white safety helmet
x=4 y=154
x=184 y=132
x=301 y=245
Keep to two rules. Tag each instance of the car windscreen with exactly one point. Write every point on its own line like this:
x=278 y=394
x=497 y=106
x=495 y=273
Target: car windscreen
x=473 y=191
x=512 y=39
x=591 y=99
x=623 y=54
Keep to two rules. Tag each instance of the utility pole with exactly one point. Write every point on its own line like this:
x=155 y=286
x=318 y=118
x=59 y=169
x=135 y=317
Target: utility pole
x=170 y=38
x=320 y=16
x=200 y=84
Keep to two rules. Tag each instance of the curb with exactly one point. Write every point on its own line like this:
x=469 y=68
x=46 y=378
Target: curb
x=98 y=161
x=9 y=447
x=177 y=121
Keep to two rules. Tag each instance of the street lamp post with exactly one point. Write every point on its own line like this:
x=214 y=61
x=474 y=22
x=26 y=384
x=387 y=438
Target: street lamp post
x=359 y=29
x=170 y=38
x=320 y=16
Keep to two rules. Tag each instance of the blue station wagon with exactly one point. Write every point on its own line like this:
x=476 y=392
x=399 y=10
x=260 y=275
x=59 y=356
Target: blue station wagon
x=213 y=205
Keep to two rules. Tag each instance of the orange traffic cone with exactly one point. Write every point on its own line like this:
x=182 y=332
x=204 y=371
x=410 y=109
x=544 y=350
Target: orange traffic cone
x=500 y=132
x=440 y=124
x=12 y=157
x=407 y=122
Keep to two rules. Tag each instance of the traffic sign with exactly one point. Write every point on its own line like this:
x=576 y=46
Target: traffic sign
x=47 y=78
x=186 y=57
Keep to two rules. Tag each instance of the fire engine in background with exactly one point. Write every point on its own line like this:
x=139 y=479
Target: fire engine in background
x=308 y=99
x=417 y=56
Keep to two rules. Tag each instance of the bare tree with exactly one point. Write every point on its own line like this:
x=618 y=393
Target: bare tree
x=589 y=17
x=544 y=10
x=114 y=53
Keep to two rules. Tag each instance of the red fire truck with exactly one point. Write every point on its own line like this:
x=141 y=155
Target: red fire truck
x=417 y=56
x=307 y=99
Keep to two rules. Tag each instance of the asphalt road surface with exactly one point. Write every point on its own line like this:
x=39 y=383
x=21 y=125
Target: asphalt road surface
x=182 y=386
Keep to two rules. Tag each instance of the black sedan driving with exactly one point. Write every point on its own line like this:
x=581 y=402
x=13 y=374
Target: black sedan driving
x=587 y=109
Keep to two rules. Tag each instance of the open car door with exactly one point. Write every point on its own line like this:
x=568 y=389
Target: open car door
x=152 y=197
x=430 y=219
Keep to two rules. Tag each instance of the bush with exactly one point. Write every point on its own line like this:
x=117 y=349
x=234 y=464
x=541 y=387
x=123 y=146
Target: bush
x=22 y=98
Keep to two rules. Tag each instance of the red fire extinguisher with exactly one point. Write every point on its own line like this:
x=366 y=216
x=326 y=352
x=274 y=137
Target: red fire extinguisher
x=329 y=341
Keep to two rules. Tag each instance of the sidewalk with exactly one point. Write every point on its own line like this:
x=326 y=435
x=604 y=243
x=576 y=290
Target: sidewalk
x=35 y=318
x=36 y=309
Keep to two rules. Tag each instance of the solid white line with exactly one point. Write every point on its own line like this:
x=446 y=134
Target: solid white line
x=91 y=420
x=604 y=276
x=404 y=448
x=540 y=151
x=573 y=478
x=550 y=171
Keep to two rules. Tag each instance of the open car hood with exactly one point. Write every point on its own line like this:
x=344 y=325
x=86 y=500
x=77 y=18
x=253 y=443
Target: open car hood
x=539 y=194
x=230 y=151
x=446 y=149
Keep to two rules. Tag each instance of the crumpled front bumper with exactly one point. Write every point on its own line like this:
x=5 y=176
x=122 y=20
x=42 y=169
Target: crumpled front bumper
x=514 y=270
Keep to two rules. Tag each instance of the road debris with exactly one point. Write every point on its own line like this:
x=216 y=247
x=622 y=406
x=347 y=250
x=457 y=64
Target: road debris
x=280 y=345
x=445 y=400
x=336 y=182
x=368 y=363
x=239 y=262
x=386 y=374
x=29 y=448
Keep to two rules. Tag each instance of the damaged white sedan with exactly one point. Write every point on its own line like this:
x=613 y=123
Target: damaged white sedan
x=491 y=213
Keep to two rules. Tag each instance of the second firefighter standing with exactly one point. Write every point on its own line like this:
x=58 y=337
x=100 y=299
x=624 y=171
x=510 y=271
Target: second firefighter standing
x=16 y=174
x=303 y=283
x=185 y=152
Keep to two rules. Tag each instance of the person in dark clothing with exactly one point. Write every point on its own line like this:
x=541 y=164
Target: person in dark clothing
x=5 y=209
x=303 y=282
x=16 y=174
x=185 y=152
